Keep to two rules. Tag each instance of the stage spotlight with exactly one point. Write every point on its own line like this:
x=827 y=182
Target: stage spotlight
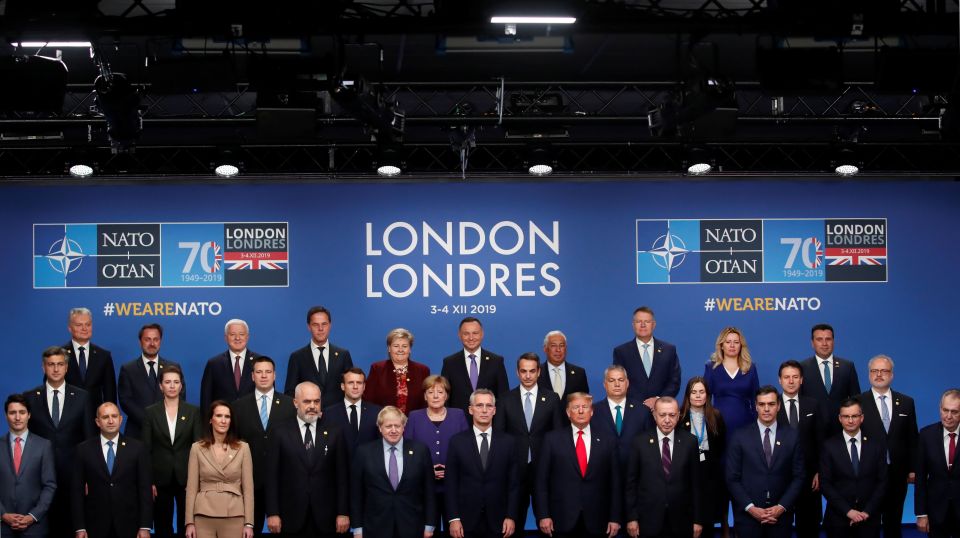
x=119 y=102
x=81 y=171
x=227 y=164
x=389 y=161
x=698 y=161
x=847 y=170
x=539 y=161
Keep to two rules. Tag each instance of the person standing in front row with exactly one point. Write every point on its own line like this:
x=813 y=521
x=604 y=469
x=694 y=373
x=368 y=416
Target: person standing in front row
x=936 y=493
x=652 y=365
x=28 y=484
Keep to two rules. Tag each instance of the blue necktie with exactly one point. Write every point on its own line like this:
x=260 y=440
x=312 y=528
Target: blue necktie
x=884 y=414
x=827 y=378
x=528 y=416
x=82 y=361
x=854 y=457
x=55 y=412
x=767 y=447
x=111 y=457
x=647 y=361
x=619 y=421
x=263 y=411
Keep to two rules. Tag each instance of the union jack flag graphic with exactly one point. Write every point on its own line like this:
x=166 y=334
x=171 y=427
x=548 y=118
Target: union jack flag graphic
x=255 y=260
x=857 y=256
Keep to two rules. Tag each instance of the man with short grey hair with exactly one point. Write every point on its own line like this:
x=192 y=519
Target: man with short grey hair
x=558 y=374
x=229 y=375
x=90 y=366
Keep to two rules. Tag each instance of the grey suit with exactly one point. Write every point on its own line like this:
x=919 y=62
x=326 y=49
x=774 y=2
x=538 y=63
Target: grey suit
x=31 y=490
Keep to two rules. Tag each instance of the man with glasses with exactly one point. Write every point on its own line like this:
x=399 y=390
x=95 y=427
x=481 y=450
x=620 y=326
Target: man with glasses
x=936 y=499
x=652 y=365
x=889 y=416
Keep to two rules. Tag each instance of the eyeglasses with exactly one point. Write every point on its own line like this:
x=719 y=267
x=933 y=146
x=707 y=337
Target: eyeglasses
x=884 y=371
x=850 y=417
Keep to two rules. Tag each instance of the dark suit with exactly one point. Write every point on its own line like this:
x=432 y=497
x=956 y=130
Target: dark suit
x=547 y=413
x=308 y=490
x=169 y=460
x=901 y=443
x=578 y=503
x=301 y=367
x=664 y=506
x=76 y=424
x=482 y=497
x=664 y=378
x=137 y=392
x=246 y=417
x=101 y=378
x=846 y=490
x=575 y=379
x=812 y=432
x=751 y=481
x=636 y=419
x=713 y=483
x=491 y=374
x=379 y=509
x=217 y=382
x=844 y=384
x=338 y=415
x=115 y=504
x=936 y=492
x=31 y=490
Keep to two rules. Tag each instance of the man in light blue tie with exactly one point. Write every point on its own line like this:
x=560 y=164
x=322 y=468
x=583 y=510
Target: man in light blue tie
x=255 y=415
x=652 y=365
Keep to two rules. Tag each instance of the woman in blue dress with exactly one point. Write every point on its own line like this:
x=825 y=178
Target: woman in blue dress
x=732 y=379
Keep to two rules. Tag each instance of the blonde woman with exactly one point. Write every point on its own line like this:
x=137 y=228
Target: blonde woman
x=732 y=378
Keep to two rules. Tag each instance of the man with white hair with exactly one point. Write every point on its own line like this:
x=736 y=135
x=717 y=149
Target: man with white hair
x=229 y=375
x=90 y=366
x=558 y=374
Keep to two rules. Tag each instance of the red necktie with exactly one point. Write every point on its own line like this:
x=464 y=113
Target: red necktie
x=953 y=449
x=236 y=372
x=17 y=454
x=581 y=454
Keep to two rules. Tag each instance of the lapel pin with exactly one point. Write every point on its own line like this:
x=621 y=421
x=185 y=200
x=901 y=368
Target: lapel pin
x=631 y=407
x=659 y=350
x=38 y=393
x=486 y=358
x=897 y=402
x=324 y=432
x=71 y=393
x=277 y=401
x=160 y=366
x=410 y=452
x=183 y=418
x=651 y=441
x=123 y=443
x=836 y=364
x=864 y=437
x=778 y=443
x=336 y=353
x=543 y=398
x=572 y=371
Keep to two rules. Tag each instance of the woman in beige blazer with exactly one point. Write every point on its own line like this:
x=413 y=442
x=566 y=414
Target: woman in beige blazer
x=219 y=481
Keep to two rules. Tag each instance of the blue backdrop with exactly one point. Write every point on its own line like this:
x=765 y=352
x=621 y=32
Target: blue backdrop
x=562 y=256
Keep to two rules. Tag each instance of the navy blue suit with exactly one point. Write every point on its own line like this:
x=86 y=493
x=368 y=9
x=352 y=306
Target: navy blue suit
x=338 y=415
x=302 y=367
x=843 y=384
x=31 y=490
x=217 y=382
x=664 y=379
x=751 y=481
x=846 y=490
x=562 y=494
x=101 y=378
x=664 y=506
x=812 y=430
x=491 y=374
x=636 y=419
x=472 y=491
x=936 y=492
x=575 y=379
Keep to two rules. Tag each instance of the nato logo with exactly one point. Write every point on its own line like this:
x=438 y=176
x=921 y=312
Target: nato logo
x=64 y=255
x=668 y=251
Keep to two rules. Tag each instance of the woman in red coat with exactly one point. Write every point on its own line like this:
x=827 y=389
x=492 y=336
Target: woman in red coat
x=397 y=380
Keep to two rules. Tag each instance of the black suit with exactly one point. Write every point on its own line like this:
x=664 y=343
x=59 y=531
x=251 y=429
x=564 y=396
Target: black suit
x=76 y=425
x=246 y=417
x=636 y=419
x=218 y=382
x=137 y=392
x=380 y=510
x=115 y=504
x=662 y=505
x=812 y=430
x=901 y=443
x=664 y=378
x=101 y=379
x=338 y=415
x=713 y=482
x=844 y=384
x=301 y=367
x=936 y=492
x=847 y=490
x=307 y=489
x=575 y=379
x=169 y=460
x=578 y=504
x=482 y=497
x=547 y=413
x=491 y=374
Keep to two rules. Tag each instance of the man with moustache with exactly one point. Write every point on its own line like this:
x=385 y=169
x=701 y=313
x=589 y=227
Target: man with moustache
x=662 y=493
x=556 y=373
x=139 y=384
x=228 y=375
x=307 y=472
x=319 y=362
x=936 y=493
x=27 y=485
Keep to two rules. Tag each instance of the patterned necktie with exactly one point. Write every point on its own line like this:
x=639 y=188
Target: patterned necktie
x=236 y=372
x=394 y=471
x=263 y=411
x=111 y=457
x=581 y=454
x=794 y=414
x=767 y=448
x=307 y=438
x=884 y=413
x=17 y=455
x=55 y=412
x=827 y=378
x=952 y=450
x=619 y=421
x=153 y=373
x=474 y=371
x=665 y=458
x=854 y=457
x=557 y=382
x=647 y=361
x=82 y=361
x=484 y=450
x=354 y=420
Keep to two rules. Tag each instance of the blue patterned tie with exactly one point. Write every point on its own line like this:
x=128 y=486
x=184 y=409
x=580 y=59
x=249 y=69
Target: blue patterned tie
x=884 y=414
x=263 y=411
x=111 y=456
x=827 y=378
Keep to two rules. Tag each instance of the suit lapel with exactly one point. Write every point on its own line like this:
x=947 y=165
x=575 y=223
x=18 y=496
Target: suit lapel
x=7 y=456
x=571 y=451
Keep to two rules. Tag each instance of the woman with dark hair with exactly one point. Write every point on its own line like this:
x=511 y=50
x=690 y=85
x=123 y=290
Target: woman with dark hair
x=219 y=481
x=700 y=418
x=396 y=381
x=169 y=429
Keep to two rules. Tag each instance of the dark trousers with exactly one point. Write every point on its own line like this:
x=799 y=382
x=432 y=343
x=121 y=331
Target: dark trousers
x=482 y=529
x=579 y=530
x=259 y=511
x=891 y=509
x=747 y=527
x=309 y=530
x=163 y=510
x=808 y=511
x=868 y=529
x=527 y=477
x=59 y=517
x=949 y=527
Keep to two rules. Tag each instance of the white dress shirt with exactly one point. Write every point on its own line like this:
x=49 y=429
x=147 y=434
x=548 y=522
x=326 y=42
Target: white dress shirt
x=586 y=438
x=833 y=374
x=61 y=397
x=315 y=349
x=661 y=436
x=259 y=396
x=859 y=438
x=613 y=408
